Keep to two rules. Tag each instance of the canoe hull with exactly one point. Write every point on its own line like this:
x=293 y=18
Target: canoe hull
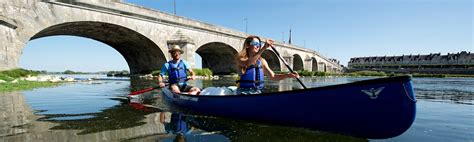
x=379 y=108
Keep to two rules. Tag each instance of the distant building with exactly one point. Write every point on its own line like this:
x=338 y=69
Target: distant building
x=459 y=63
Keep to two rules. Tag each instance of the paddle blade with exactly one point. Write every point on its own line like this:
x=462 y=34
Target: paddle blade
x=142 y=91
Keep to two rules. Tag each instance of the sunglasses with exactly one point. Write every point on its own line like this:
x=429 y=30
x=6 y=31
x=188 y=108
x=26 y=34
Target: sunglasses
x=256 y=44
x=173 y=52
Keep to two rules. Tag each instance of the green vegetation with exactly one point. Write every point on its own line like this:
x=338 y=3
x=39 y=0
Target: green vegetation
x=312 y=73
x=6 y=78
x=118 y=73
x=11 y=75
x=73 y=72
x=155 y=72
x=25 y=85
x=203 y=72
x=459 y=75
x=366 y=73
x=17 y=73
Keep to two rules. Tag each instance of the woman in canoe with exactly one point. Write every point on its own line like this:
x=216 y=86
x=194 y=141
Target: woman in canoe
x=253 y=67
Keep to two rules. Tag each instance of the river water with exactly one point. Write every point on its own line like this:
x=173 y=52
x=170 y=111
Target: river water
x=97 y=111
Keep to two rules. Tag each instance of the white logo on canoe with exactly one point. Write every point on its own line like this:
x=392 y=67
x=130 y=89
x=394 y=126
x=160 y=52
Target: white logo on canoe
x=188 y=98
x=373 y=93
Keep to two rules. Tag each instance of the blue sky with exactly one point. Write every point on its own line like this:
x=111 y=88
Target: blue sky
x=60 y=53
x=338 y=29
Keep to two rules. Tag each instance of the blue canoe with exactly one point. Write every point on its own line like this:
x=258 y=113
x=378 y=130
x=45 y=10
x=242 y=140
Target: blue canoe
x=374 y=109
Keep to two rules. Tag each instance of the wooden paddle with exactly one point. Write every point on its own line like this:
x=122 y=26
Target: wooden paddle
x=286 y=64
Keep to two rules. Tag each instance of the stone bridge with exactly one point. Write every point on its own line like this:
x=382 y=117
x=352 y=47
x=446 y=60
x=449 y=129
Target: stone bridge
x=139 y=34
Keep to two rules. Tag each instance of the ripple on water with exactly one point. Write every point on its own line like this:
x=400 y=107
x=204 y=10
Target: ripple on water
x=449 y=95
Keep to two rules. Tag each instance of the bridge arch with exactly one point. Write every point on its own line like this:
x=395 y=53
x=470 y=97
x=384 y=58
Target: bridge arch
x=324 y=67
x=141 y=54
x=297 y=62
x=314 y=64
x=272 y=60
x=218 y=57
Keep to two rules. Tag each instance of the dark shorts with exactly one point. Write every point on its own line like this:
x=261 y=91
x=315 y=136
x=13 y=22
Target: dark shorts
x=183 y=88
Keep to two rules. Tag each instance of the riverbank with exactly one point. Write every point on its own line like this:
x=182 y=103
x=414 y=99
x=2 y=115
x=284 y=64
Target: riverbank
x=25 y=85
x=21 y=79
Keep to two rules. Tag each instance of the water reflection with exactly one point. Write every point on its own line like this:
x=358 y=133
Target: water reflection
x=136 y=121
x=455 y=90
x=195 y=127
x=99 y=112
x=238 y=130
x=207 y=128
x=15 y=114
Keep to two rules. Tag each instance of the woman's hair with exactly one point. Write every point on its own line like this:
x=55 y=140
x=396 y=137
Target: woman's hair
x=243 y=53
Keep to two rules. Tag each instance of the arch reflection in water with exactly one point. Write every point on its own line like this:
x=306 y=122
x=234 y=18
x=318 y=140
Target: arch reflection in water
x=205 y=128
x=194 y=127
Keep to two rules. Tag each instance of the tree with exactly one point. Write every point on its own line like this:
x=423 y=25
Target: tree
x=69 y=72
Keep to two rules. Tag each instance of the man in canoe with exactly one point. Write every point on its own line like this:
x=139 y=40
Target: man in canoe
x=176 y=71
x=253 y=67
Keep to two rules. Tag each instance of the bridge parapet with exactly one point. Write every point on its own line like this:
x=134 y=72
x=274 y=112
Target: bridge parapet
x=144 y=13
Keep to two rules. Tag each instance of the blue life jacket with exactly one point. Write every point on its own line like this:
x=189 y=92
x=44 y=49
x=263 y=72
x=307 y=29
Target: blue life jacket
x=177 y=73
x=253 y=77
x=178 y=125
x=182 y=126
